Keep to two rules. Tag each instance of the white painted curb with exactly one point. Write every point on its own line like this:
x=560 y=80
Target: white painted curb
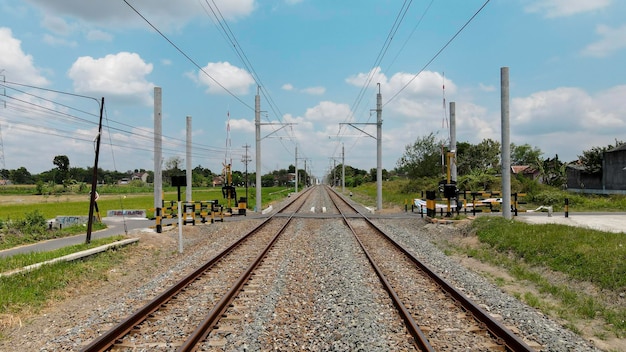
x=70 y=257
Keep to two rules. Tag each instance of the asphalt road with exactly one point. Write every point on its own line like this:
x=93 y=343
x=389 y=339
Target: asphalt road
x=115 y=226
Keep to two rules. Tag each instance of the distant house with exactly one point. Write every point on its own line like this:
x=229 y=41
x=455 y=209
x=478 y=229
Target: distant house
x=123 y=181
x=143 y=176
x=612 y=179
x=579 y=178
x=525 y=170
x=614 y=168
x=218 y=181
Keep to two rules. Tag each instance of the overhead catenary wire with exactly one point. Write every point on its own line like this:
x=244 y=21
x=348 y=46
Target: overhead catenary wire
x=377 y=62
x=227 y=33
x=182 y=52
x=456 y=34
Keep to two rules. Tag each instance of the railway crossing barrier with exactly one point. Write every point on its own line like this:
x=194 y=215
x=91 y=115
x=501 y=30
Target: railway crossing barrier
x=203 y=211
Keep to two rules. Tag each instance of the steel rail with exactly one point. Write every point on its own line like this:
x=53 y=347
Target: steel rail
x=204 y=328
x=506 y=336
x=108 y=339
x=420 y=339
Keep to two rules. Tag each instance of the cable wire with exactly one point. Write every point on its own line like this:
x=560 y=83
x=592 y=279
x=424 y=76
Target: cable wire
x=437 y=54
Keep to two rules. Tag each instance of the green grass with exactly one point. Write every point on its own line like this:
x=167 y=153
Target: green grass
x=395 y=194
x=583 y=255
x=25 y=259
x=61 y=205
x=30 y=291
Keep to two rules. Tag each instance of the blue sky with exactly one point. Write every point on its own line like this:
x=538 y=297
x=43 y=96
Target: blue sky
x=312 y=59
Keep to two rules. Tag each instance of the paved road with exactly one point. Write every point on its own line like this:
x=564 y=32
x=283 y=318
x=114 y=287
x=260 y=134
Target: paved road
x=605 y=221
x=115 y=226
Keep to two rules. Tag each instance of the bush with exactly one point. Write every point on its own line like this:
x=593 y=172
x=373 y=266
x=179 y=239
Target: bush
x=33 y=223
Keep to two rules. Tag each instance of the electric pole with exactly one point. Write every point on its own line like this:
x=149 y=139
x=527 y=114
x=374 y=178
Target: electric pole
x=246 y=159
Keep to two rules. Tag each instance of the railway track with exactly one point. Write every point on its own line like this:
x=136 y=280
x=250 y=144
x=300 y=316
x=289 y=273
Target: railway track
x=182 y=308
x=277 y=288
x=438 y=316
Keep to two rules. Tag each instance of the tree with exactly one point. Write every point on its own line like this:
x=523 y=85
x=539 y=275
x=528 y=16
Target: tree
x=524 y=155
x=487 y=155
x=62 y=162
x=553 y=172
x=20 y=176
x=422 y=158
x=480 y=158
x=173 y=163
x=172 y=167
x=592 y=158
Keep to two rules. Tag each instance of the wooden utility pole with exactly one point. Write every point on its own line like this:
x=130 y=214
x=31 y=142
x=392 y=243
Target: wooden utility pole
x=94 y=181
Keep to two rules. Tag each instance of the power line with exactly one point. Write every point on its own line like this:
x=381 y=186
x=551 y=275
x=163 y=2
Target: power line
x=69 y=117
x=437 y=54
x=187 y=56
x=381 y=54
x=219 y=21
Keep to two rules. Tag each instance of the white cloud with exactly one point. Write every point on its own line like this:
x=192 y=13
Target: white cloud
x=17 y=65
x=56 y=25
x=314 y=90
x=569 y=109
x=242 y=125
x=98 y=35
x=563 y=8
x=327 y=112
x=164 y=12
x=611 y=40
x=486 y=88
x=56 y=41
x=319 y=90
x=119 y=76
x=235 y=79
x=374 y=76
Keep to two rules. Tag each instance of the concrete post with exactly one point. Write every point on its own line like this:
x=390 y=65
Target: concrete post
x=379 y=153
x=296 y=169
x=453 y=139
x=158 y=157
x=257 y=125
x=188 y=163
x=343 y=169
x=506 y=143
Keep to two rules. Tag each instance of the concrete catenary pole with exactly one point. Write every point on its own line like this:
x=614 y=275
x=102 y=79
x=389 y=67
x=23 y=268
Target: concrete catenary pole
x=379 y=153
x=506 y=143
x=257 y=127
x=188 y=162
x=453 y=140
x=343 y=169
x=296 y=169
x=158 y=136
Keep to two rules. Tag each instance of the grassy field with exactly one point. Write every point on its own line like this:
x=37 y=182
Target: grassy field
x=30 y=291
x=15 y=206
x=588 y=256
